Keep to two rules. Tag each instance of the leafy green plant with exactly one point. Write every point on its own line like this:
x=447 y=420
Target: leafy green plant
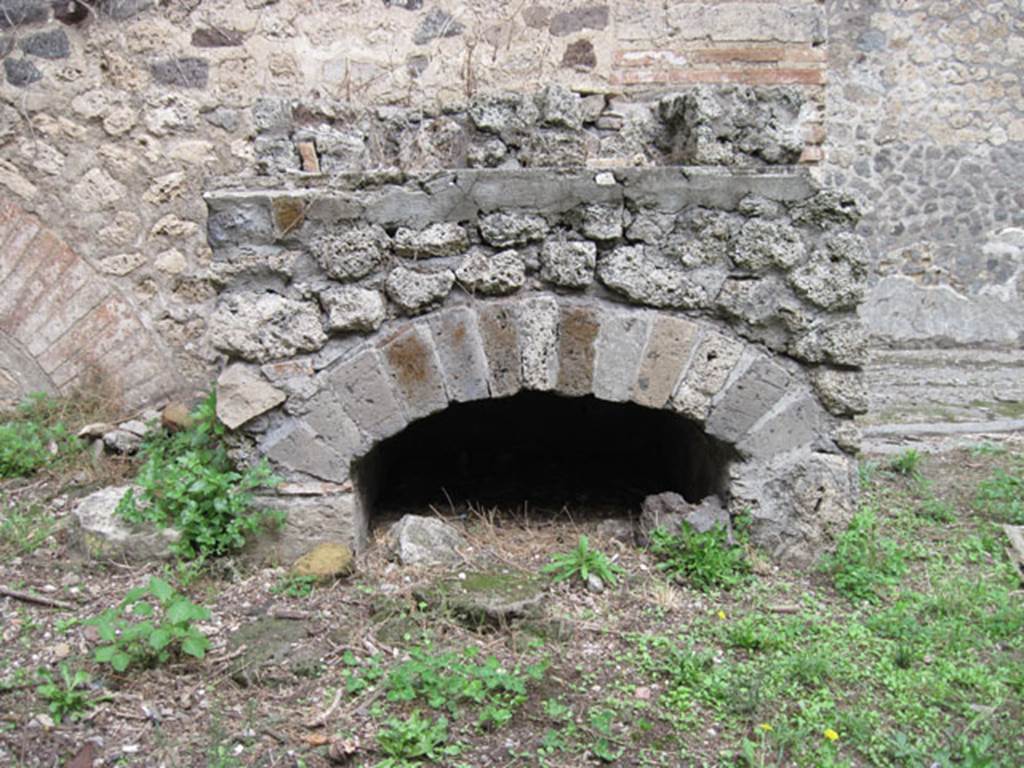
x=149 y=626
x=413 y=741
x=293 y=585
x=864 y=562
x=23 y=529
x=581 y=562
x=189 y=482
x=704 y=560
x=906 y=463
x=449 y=680
x=34 y=437
x=1002 y=495
x=67 y=697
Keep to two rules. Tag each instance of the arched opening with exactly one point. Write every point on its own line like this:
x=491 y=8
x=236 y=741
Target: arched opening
x=542 y=450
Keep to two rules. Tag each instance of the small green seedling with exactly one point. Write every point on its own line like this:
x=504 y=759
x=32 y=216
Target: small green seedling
x=67 y=698
x=581 y=562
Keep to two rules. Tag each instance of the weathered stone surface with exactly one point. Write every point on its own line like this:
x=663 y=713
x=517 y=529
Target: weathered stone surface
x=665 y=356
x=309 y=520
x=538 y=339
x=443 y=239
x=239 y=223
x=578 y=327
x=242 y=395
x=460 y=349
x=560 y=107
x=799 y=502
x=553 y=149
x=486 y=598
x=265 y=326
x=620 y=347
x=99 y=532
x=327 y=416
x=602 y=222
x=592 y=16
x=842 y=392
x=52 y=44
x=843 y=342
x=829 y=208
x=568 y=263
x=425 y=541
x=835 y=277
x=500 y=333
x=504 y=230
x=216 y=37
x=349 y=253
x=506 y=114
x=795 y=422
x=271 y=651
x=754 y=392
x=416 y=292
x=325 y=562
x=294 y=446
x=497 y=275
x=367 y=393
x=433 y=144
x=437 y=23
x=580 y=55
x=122 y=441
x=350 y=308
x=730 y=125
x=762 y=244
x=415 y=368
x=184 y=72
x=21 y=72
x=669 y=511
x=646 y=278
x=14 y=13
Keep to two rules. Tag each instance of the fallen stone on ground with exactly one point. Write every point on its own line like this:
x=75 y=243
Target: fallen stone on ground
x=100 y=533
x=669 y=511
x=419 y=540
x=325 y=562
x=487 y=597
x=273 y=650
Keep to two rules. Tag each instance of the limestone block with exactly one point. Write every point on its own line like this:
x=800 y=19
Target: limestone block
x=295 y=446
x=442 y=239
x=835 y=277
x=578 y=328
x=367 y=394
x=460 y=350
x=415 y=292
x=425 y=541
x=619 y=349
x=796 y=421
x=538 y=336
x=353 y=309
x=569 y=264
x=842 y=342
x=646 y=278
x=668 y=349
x=842 y=392
x=265 y=326
x=309 y=520
x=497 y=275
x=500 y=333
x=762 y=244
x=350 y=253
x=99 y=532
x=416 y=371
x=242 y=395
x=504 y=230
x=755 y=391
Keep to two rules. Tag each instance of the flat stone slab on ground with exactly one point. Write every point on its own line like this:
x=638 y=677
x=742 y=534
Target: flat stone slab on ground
x=487 y=597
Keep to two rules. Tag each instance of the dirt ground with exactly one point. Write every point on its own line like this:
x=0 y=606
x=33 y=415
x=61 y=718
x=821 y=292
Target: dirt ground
x=603 y=688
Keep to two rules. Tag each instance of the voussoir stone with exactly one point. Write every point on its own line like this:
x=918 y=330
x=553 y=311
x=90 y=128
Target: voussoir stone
x=350 y=308
x=569 y=264
x=351 y=253
x=713 y=360
x=497 y=275
x=416 y=292
x=243 y=395
x=265 y=326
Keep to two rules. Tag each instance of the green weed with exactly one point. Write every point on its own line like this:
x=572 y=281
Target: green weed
x=188 y=482
x=149 y=626
x=1002 y=496
x=23 y=530
x=906 y=463
x=292 y=585
x=34 y=437
x=581 y=562
x=704 y=560
x=68 y=697
x=864 y=562
x=414 y=741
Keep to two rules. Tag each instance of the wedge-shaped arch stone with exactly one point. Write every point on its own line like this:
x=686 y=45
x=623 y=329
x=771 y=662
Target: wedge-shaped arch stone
x=460 y=349
x=416 y=371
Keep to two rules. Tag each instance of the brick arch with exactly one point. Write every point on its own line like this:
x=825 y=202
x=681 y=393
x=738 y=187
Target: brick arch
x=761 y=408
x=61 y=322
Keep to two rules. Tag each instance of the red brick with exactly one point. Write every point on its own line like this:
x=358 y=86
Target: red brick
x=71 y=299
x=17 y=244
x=81 y=336
x=812 y=155
x=814 y=133
x=53 y=259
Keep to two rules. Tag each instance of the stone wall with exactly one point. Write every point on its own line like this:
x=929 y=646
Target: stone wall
x=353 y=305
x=116 y=115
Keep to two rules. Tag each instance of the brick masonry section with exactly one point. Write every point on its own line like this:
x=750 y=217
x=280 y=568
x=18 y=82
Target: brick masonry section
x=71 y=322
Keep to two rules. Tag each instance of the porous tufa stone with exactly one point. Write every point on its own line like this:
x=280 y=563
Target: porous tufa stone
x=325 y=562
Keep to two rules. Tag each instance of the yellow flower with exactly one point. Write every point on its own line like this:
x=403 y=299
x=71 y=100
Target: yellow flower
x=766 y=727
x=721 y=615
x=831 y=735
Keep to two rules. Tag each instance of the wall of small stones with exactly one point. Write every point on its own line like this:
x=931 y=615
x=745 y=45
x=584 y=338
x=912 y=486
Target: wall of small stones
x=352 y=305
